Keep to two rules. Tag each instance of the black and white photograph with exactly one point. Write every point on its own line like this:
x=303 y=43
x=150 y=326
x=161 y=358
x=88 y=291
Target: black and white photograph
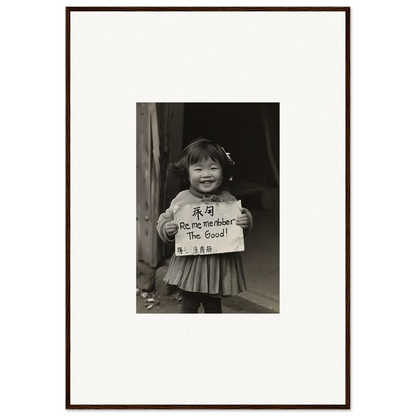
x=211 y=256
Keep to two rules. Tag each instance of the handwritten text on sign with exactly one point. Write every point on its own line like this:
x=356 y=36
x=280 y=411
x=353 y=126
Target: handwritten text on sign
x=208 y=228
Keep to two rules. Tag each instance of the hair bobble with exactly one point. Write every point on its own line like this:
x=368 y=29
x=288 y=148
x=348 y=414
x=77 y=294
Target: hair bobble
x=228 y=156
x=232 y=162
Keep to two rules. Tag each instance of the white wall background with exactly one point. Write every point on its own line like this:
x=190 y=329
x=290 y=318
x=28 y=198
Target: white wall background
x=307 y=339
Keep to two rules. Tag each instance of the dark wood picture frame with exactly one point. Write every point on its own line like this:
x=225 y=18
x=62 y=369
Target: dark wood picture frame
x=345 y=10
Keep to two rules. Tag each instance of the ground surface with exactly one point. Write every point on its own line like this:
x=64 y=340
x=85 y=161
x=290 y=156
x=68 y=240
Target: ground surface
x=152 y=302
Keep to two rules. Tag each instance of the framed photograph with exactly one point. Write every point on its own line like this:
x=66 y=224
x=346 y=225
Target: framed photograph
x=207 y=172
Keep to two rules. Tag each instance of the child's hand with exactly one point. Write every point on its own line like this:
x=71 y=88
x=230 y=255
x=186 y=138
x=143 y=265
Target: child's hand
x=171 y=228
x=243 y=221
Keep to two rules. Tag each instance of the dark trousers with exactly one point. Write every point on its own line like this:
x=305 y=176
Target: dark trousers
x=192 y=301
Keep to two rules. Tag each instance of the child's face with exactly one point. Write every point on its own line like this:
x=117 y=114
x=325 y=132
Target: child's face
x=205 y=176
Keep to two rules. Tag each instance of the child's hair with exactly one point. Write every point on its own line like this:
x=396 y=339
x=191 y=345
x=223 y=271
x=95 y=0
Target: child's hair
x=199 y=150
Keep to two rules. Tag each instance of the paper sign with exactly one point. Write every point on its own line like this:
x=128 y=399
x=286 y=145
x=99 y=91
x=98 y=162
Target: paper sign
x=208 y=228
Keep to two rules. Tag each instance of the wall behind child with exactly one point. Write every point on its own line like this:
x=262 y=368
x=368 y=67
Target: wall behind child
x=240 y=129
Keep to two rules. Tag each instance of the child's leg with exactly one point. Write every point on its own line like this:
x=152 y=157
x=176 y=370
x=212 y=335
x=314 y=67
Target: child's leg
x=211 y=304
x=190 y=302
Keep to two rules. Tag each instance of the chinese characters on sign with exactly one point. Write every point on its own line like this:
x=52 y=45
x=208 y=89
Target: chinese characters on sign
x=208 y=228
x=197 y=211
x=187 y=251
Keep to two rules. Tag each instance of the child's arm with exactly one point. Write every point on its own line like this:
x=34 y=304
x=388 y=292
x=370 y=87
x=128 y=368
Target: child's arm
x=171 y=228
x=245 y=220
x=165 y=226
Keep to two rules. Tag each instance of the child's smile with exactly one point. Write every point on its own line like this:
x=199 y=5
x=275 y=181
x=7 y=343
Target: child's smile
x=205 y=176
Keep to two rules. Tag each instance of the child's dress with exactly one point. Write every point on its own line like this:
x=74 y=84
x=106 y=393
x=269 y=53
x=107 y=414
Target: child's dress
x=214 y=274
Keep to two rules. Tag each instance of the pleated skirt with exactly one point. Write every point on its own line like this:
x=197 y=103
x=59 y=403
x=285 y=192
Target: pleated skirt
x=215 y=274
